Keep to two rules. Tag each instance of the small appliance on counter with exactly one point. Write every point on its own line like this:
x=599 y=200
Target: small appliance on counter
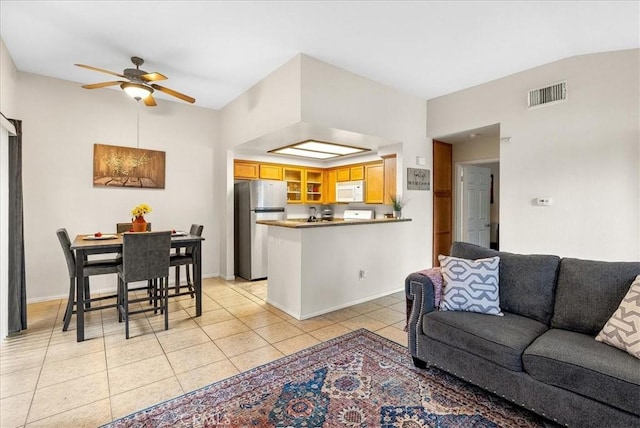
x=312 y=214
x=326 y=213
x=359 y=215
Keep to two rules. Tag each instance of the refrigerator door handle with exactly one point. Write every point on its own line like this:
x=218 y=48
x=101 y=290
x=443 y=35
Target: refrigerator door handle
x=268 y=210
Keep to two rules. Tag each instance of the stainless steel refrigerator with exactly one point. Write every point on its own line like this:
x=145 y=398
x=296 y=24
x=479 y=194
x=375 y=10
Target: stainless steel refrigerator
x=255 y=200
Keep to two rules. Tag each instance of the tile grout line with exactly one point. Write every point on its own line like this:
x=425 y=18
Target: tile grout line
x=234 y=291
x=35 y=389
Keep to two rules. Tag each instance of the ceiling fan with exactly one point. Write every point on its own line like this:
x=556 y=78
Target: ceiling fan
x=139 y=84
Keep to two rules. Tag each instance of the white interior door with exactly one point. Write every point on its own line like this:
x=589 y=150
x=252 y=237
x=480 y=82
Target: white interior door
x=476 y=224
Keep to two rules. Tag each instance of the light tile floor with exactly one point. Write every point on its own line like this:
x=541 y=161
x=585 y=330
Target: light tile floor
x=48 y=379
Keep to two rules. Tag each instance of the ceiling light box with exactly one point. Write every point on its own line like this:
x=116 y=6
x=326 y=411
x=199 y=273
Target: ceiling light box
x=318 y=150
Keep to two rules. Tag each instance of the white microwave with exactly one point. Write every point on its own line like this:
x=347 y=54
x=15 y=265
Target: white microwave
x=350 y=191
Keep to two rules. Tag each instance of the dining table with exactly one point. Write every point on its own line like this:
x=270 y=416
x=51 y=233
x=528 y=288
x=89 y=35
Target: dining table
x=89 y=244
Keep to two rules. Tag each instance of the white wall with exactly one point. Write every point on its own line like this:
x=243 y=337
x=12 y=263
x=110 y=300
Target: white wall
x=308 y=90
x=269 y=105
x=583 y=153
x=61 y=122
x=336 y=98
x=8 y=83
x=8 y=106
x=480 y=148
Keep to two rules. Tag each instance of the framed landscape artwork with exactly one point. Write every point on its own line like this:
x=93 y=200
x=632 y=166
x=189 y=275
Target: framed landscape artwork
x=115 y=166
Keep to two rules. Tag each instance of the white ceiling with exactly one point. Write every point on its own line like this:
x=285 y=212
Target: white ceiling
x=216 y=50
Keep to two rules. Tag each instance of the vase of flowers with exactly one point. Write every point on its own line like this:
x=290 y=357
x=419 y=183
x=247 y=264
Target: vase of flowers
x=139 y=224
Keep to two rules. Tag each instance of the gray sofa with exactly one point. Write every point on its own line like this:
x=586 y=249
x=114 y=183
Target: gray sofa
x=541 y=354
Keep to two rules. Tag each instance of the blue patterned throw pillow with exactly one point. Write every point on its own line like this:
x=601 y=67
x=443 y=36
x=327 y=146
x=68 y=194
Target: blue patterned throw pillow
x=470 y=285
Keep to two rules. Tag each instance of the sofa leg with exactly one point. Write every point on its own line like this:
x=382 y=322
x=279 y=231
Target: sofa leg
x=419 y=363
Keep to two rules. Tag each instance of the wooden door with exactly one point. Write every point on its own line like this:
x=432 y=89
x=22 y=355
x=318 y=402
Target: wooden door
x=442 y=199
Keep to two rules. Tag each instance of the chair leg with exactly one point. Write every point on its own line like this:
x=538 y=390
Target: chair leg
x=189 y=283
x=165 y=302
x=177 y=279
x=125 y=304
x=72 y=299
x=87 y=294
x=150 y=290
x=156 y=296
x=119 y=300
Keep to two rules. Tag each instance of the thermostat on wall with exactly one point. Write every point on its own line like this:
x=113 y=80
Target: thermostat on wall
x=544 y=202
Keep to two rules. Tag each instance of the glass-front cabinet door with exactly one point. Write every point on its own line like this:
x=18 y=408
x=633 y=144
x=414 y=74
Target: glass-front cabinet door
x=293 y=177
x=314 y=185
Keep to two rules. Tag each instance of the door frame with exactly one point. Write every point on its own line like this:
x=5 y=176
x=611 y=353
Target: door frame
x=458 y=196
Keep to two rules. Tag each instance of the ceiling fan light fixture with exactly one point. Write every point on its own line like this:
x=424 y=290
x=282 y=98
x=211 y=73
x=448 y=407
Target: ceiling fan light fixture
x=136 y=90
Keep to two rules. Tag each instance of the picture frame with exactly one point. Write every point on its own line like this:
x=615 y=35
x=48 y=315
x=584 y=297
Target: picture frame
x=117 y=166
x=418 y=179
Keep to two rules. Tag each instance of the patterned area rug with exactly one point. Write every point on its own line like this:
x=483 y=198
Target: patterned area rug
x=356 y=380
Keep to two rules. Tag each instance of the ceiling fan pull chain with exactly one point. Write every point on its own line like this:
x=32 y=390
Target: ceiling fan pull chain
x=138 y=122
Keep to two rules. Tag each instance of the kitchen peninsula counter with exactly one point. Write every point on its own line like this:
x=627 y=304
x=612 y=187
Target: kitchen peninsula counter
x=319 y=267
x=304 y=224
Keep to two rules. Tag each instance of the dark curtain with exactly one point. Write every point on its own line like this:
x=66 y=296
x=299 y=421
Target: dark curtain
x=17 y=283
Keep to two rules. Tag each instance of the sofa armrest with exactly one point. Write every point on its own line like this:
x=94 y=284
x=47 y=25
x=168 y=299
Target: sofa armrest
x=420 y=294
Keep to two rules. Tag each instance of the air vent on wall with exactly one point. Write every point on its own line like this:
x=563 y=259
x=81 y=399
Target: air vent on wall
x=552 y=94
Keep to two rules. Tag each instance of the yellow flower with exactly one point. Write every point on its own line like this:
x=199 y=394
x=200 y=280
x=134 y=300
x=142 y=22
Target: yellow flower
x=141 y=210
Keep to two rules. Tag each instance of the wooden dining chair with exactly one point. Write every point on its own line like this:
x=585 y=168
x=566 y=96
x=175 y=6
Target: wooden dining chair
x=89 y=268
x=185 y=259
x=145 y=256
x=128 y=227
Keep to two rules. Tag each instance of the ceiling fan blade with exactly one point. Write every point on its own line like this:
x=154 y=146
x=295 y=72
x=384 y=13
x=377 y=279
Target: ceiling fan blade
x=153 y=77
x=149 y=101
x=176 y=94
x=102 y=85
x=102 y=70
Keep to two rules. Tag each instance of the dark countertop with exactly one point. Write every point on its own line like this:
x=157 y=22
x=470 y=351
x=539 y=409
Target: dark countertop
x=304 y=224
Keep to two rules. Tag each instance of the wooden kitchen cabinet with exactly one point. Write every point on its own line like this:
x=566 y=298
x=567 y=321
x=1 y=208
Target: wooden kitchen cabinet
x=245 y=170
x=270 y=172
x=248 y=170
x=389 y=178
x=350 y=173
x=343 y=174
x=318 y=186
x=314 y=185
x=374 y=183
x=331 y=178
x=356 y=172
x=293 y=177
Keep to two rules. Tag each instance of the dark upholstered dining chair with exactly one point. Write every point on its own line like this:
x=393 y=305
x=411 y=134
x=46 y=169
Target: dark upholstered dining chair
x=185 y=259
x=89 y=268
x=128 y=227
x=145 y=256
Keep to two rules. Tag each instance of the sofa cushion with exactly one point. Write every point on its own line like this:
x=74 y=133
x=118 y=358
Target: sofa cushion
x=623 y=328
x=589 y=292
x=576 y=362
x=498 y=339
x=470 y=285
x=527 y=282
